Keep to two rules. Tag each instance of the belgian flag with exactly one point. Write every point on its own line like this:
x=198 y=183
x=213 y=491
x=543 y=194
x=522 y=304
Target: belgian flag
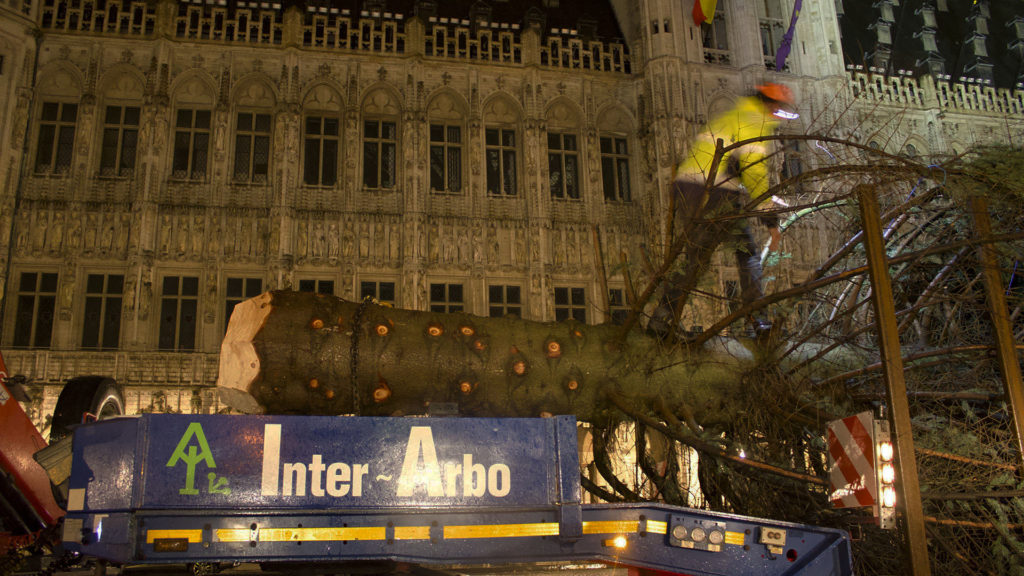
x=703 y=11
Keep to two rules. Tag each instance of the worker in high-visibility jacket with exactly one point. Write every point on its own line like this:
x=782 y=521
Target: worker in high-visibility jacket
x=709 y=211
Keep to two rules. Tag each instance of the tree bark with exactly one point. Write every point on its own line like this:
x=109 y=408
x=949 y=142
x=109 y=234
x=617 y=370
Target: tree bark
x=293 y=352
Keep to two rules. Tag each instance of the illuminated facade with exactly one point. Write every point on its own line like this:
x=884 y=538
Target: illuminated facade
x=163 y=160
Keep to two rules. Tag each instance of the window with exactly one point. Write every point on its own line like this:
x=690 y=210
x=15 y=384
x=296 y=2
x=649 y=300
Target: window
x=317 y=286
x=563 y=166
x=771 y=38
x=380 y=142
x=252 y=148
x=321 y=161
x=570 y=303
x=191 y=144
x=179 y=305
x=120 y=139
x=382 y=292
x=615 y=169
x=237 y=290
x=445 y=158
x=56 y=138
x=715 y=38
x=37 y=300
x=618 y=310
x=501 y=161
x=504 y=300
x=446 y=298
x=101 y=326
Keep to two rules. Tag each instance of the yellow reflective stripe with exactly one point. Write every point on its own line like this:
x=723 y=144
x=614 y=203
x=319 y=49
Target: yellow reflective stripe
x=657 y=527
x=193 y=536
x=611 y=527
x=416 y=532
x=734 y=538
x=301 y=534
x=502 y=530
x=412 y=532
x=231 y=534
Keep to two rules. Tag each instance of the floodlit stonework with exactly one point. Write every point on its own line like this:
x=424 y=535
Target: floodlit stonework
x=163 y=160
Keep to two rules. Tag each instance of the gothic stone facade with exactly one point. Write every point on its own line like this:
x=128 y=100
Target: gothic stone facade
x=164 y=160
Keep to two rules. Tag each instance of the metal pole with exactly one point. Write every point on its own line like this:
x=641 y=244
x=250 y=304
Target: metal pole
x=1006 y=350
x=892 y=363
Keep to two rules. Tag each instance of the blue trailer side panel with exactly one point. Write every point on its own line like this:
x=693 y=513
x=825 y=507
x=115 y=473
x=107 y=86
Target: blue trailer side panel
x=309 y=462
x=170 y=489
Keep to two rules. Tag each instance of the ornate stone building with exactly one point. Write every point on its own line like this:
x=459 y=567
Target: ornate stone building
x=164 y=159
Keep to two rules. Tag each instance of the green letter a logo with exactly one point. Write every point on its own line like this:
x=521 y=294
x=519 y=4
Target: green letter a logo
x=191 y=458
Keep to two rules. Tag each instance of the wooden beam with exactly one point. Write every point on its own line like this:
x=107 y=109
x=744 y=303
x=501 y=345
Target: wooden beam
x=1006 y=349
x=892 y=360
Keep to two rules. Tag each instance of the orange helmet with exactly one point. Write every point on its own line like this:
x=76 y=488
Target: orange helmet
x=777 y=92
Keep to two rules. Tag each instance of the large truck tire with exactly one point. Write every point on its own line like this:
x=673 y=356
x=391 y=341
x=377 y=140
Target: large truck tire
x=96 y=395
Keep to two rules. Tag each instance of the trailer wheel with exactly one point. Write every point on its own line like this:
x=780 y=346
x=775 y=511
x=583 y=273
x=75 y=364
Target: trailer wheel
x=98 y=396
x=204 y=568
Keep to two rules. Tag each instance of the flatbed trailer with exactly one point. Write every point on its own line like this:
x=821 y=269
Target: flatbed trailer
x=432 y=492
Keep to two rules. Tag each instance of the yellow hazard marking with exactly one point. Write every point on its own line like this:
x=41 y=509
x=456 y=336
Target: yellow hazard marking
x=657 y=527
x=611 y=526
x=502 y=530
x=193 y=536
x=300 y=534
x=412 y=532
x=328 y=534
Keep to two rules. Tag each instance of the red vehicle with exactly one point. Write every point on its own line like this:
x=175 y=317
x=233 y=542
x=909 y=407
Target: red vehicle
x=29 y=504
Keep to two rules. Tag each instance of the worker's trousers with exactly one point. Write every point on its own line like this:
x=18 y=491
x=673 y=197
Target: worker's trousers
x=702 y=229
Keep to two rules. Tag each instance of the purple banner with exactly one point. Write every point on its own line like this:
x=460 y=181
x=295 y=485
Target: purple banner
x=787 y=39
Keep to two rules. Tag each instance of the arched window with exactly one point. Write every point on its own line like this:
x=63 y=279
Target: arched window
x=447 y=143
x=616 y=129
x=381 y=113
x=563 y=152
x=501 y=142
x=121 y=114
x=193 y=116
x=321 y=133
x=253 y=130
x=58 y=118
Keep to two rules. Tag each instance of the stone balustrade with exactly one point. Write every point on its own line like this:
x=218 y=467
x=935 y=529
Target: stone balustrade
x=323 y=28
x=924 y=92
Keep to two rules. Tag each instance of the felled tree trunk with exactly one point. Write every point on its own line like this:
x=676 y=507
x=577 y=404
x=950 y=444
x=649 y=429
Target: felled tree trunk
x=293 y=352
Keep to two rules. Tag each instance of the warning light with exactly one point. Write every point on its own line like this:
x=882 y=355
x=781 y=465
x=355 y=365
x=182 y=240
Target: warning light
x=885 y=451
x=885 y=469
x=888 y=497
x=888 y=473
x=618 y=542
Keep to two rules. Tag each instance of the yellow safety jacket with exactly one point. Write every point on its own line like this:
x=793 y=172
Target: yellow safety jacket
x=747 y=119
